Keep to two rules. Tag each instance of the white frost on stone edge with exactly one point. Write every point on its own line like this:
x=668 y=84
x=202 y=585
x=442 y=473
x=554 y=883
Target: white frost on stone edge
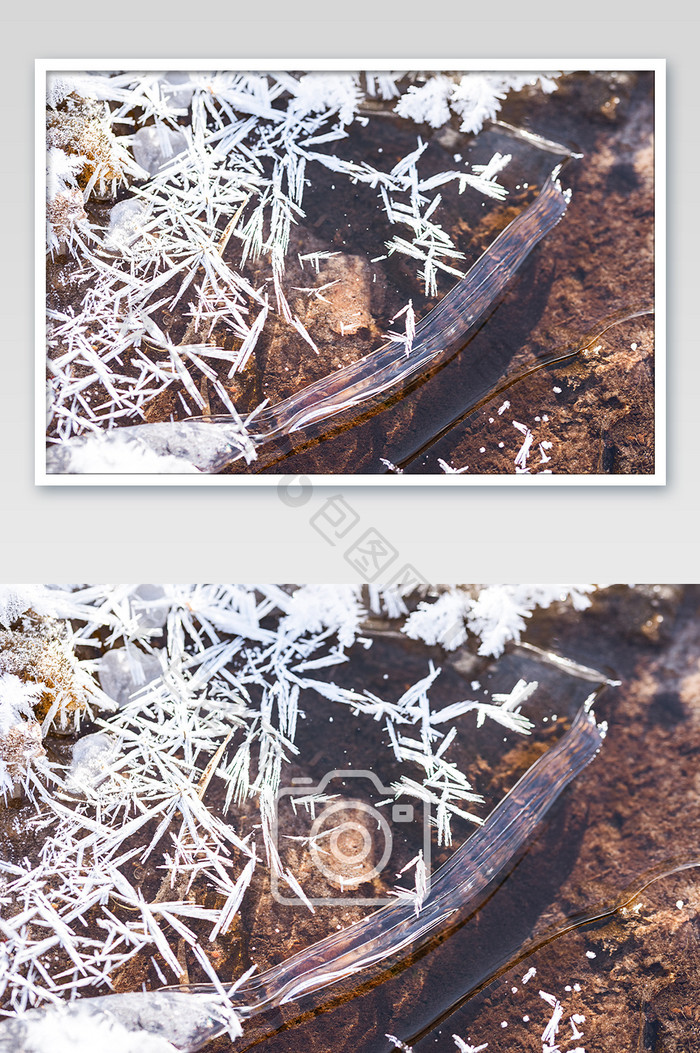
x=476 y=97
x=16 y=713
x=83 y=1032
x=15 y=600
x=111 y=453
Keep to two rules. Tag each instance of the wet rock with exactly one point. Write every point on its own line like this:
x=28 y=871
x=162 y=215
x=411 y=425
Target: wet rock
x=343 y=305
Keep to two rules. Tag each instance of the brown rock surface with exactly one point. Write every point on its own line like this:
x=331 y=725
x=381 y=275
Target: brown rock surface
x=344 y=299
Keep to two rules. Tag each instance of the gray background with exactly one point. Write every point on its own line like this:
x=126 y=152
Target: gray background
x=475 y=533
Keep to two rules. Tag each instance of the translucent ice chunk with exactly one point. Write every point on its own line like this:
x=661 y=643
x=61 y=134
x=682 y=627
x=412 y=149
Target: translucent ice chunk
x=123 y=672
x=146 y=605
x=126 y=221
x=92 y=755
x=154 y=146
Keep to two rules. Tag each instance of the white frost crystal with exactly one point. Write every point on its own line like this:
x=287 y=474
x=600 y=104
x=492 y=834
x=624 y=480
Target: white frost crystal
x=475 y=97
x=114 y=451
x=498 y=614
x=313 y=608
x=16 y=701
x=77 y=1031
x=41 y=653
x=65 y=209
x=441 y=621
x=237 y=678
x=495 y=613
x=316 y=92
x=155 y=1022
x=58 y=88
x=20 y=733
x=427 y=102
x=15 y=600
x=195 y=146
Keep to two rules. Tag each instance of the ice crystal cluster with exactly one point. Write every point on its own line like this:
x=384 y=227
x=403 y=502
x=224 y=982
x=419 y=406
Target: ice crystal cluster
x=212 y=170
x=474 y=97
x=204 y=682
x=80 y=1032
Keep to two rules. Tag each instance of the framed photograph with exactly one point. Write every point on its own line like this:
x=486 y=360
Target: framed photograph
x=385 y=274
